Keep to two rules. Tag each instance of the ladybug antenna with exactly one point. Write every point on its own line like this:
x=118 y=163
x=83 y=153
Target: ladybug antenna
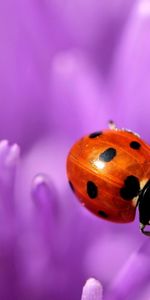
x=111 y=125
x=144 y=208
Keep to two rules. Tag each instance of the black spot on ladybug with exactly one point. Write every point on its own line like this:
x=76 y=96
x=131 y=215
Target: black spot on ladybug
x=92 y=190
x=108 y=154
x=101 y=213
x=95 y=134
x=131 y=188
x=71 y=185
x=135 y=145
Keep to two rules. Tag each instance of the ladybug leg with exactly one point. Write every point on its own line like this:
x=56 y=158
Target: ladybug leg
x=146 y=232
x=144 y=208
x=111 y=125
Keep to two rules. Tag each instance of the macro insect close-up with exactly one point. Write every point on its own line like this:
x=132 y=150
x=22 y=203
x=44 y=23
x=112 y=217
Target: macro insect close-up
x=109 y=171
x=67 y=67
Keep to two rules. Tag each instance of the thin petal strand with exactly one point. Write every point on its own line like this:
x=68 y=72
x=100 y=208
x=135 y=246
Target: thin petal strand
x=133 y=276
x=92 y=290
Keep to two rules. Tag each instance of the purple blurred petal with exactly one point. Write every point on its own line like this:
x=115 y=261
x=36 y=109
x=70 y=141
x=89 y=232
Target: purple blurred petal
x=95 y=26
x=92 y=290
x=133 y=276
x=9 y=158
x=78 y=102
x=106 y=264
x=44 y=196
x=130 y=82
x=35 y=32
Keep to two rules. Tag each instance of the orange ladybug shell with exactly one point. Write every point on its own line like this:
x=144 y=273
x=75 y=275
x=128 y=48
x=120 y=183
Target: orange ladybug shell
x=107 y=170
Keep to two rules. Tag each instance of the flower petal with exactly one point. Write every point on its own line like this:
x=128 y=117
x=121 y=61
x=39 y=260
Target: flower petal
x=134 y=276
x=92 y=290
x=130 y=77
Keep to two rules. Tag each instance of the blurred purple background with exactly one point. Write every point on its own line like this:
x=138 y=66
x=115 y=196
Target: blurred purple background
x=66 y=68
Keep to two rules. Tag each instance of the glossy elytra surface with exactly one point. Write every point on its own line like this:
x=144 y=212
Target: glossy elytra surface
x=107 y=171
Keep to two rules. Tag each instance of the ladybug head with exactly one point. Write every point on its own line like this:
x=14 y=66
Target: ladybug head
x=144 y=208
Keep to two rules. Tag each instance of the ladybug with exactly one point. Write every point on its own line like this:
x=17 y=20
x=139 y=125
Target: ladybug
x=109 y=172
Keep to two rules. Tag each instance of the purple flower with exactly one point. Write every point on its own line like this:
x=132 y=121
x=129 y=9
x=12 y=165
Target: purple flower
x=67 y=67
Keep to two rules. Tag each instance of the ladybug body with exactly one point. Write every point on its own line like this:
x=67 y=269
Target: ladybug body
x=109 y=172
